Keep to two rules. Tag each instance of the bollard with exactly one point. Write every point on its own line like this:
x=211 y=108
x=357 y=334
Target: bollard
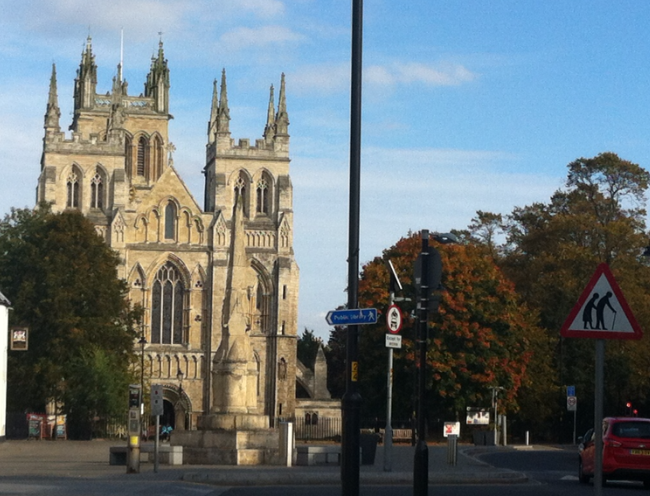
x=452 y=449
x=527 y=438
x=286 y=443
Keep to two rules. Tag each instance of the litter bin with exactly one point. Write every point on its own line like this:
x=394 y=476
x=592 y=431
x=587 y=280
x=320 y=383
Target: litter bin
x=479 y=438
x=368 y=444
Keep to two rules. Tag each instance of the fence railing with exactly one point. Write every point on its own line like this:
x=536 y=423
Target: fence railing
x=315 y=428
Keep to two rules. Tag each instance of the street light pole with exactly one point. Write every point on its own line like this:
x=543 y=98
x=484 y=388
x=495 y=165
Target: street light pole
x=351 y=401
x=495 y=404
x=142 y=342
x=421 y=460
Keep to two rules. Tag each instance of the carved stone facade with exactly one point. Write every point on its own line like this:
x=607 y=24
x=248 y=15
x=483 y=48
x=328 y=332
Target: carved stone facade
x=218 y=284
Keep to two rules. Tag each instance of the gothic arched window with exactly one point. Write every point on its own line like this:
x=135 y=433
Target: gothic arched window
x=168 y=295
x=158 y=155
x=263 y=196
x=142 y=157
x=97 y=191
x=128 y=155
x=241 y=191
x=170 y=221
x=72 y=185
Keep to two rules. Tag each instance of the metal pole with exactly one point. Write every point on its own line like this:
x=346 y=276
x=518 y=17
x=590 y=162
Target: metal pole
x=352 y=399
x=421 y=461
x=598 y=417
x=143 y=341
x=156 y=445
x=388 y=434
x=575 y=413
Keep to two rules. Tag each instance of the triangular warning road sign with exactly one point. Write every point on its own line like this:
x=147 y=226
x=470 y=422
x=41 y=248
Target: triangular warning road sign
x=601 y=311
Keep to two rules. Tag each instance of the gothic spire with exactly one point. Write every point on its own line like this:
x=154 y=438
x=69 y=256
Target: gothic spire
x=157 y=85
x=269 y=128
x=223 y=113
x=52 y=112
x=86 y=81
x=214 y=112
x=282 y=117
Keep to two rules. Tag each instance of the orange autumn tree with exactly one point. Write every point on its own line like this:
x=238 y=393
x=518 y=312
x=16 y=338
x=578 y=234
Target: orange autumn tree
x=481 y=337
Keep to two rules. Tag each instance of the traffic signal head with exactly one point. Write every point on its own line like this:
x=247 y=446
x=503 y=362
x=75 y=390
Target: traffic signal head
x=134 y=396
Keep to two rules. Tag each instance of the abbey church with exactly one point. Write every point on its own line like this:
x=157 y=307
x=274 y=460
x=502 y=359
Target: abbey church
x=218 y=283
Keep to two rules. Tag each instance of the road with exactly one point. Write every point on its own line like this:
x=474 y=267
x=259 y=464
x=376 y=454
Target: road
x=551 y=472
x=23 y=471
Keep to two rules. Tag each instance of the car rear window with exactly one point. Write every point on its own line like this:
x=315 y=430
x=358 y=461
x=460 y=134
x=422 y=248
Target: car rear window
x=632 y=429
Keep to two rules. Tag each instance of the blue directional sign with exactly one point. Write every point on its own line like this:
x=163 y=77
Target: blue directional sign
x=570 y=390
x=352 y=317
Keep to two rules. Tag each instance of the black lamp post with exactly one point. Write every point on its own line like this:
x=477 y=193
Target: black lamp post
x=142 y=341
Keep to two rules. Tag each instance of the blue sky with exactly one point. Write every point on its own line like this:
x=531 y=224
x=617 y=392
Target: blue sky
x=467 y=106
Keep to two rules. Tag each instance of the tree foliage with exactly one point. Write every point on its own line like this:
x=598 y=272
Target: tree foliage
x=61 y=279
x=481 y=338
x=308 y=344
x=550 y=252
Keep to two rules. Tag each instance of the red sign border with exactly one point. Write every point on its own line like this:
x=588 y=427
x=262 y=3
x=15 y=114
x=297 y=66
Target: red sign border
x=603 y=268
x=401 y=319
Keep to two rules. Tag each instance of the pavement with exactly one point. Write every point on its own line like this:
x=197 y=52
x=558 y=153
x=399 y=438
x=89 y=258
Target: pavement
x=89 y=459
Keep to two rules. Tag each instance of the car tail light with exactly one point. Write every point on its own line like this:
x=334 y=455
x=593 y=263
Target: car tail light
x=612 y=444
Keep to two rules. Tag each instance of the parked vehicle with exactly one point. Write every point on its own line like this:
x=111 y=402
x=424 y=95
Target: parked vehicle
x=626 y=450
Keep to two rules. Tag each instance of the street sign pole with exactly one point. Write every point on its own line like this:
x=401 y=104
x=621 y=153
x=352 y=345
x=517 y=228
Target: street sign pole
x=388 y=433
x=351 y=402
x=598 y=416
x=421 y=459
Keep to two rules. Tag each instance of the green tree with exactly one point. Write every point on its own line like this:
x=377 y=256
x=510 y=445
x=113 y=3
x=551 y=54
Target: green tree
x=552 y=250
x=481 y=337
x=62 y=281
x=308 y=345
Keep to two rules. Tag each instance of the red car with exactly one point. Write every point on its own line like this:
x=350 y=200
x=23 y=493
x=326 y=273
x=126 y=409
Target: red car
x=626 y=450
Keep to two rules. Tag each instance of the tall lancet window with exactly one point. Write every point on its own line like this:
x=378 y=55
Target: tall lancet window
x=142 y=157
x=168 y=294
x=158 y=155
x=241 y=191
x=97 y=192
x=170 y=221
x=72 y=185
x=128 y=155
x=263 y=196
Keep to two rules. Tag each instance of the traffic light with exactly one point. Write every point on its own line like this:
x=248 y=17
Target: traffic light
x=134 y=396
x=432 y=279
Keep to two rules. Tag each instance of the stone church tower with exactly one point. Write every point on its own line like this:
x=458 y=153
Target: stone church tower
x=219 y=284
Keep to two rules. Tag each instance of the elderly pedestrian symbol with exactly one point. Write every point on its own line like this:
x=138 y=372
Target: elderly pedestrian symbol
x=601 y=311
x=598 y=305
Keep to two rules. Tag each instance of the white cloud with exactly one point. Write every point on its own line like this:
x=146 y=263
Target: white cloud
x=239 y=38
x=330 y=78
x=263 y=8
x=442 y=74
x=140 y=18
x=323 y=78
